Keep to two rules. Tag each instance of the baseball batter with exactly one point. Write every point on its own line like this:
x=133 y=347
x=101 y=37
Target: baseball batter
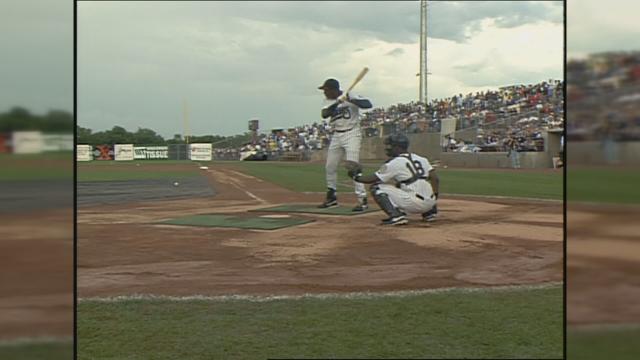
x=344 y=115
x=405 y=184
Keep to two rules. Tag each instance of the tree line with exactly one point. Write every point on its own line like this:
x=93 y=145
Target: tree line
x=20 y=119
x=142 y=136
x=60 y=121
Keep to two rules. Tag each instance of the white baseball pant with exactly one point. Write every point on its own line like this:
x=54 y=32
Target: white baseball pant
x=406 y=200
x=349 y=142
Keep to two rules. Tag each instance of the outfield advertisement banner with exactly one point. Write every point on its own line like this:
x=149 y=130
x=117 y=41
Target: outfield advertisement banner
x=150 y=152
x=5 y=141
x=200 y=152
x=57 y=142
x=27 y=142
x=103 y=152
x=123 y=152
x=84 y=153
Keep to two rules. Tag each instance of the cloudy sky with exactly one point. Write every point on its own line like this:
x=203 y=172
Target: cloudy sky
x=138 y=62
x=36 y=47
x=596 y=26
x=231 y=61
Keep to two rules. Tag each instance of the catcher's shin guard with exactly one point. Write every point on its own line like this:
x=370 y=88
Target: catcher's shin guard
x=385 y=204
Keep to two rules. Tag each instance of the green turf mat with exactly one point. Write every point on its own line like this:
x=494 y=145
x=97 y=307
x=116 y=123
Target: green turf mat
x=313 y=209
x=234 y=221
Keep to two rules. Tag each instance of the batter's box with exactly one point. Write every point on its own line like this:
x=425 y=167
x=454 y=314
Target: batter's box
x=248 y=221
x=313 y=209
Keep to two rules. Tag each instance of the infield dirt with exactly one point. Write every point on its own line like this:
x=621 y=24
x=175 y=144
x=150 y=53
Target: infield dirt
x=36 y=296
x=474 y=242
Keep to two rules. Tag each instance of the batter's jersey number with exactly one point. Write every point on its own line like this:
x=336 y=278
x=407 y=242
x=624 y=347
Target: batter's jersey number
x=345 y=114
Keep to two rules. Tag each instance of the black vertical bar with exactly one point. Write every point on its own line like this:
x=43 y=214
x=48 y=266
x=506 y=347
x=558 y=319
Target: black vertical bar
x=75 y=179
x=564 y=180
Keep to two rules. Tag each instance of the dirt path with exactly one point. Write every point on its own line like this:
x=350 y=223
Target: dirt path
x=36 y=296
x=603 y=253
x=474 y=243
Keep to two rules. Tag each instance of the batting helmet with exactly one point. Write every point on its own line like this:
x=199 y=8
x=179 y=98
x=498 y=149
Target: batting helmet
x=399 y=140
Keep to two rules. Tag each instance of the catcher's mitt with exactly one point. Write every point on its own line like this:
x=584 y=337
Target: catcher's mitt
x=354 y=169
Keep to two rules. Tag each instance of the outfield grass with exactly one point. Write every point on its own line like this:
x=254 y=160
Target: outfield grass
x=618 y=344
x=138 y=162
x=44 y=351
x=134 y=175
x=55 y=155
x=543 y=185
x=36 y=167
x=604 y=185
x=502 y=324
x=134 y=170
x=310 y=177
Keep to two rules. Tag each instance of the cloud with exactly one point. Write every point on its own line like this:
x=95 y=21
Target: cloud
x=460 y=21
x=395 y=52
x=497 y=57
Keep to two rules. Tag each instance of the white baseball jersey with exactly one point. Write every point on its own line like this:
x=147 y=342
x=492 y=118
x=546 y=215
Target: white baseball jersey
x=347 y=115
x=410 y=190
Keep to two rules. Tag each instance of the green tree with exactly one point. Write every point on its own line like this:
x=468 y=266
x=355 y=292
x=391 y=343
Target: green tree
x=20 y=119
x=119 y=135
x=147 y=137
x=177 y=139
x=57 y=121
x=83 y=135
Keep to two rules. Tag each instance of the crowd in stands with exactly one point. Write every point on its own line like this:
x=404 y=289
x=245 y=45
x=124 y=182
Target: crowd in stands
x=513 y=113
x=604 y=97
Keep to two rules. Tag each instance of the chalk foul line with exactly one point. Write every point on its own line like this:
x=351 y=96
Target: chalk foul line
x=351 y=295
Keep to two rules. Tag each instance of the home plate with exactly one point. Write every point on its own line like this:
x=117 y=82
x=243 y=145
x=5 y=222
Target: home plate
x=276 y=216
x=204 y=168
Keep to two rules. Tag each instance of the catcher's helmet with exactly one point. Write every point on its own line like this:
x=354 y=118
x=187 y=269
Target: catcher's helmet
x=399 y=140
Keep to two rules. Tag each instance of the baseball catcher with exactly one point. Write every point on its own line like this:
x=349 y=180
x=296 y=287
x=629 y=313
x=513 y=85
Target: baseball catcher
x=405 y=184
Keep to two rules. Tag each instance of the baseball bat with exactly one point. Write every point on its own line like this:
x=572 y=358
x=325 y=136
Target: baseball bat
x=355 y=82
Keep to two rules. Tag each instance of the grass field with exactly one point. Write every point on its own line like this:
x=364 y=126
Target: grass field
x=608 y=185
x=583 y=185
x=521 y=323
x=134 y=170
x=310 y=177
x=49 y=166
x=97 y=163
x=30 y=351
x=618 y=344
x=134 y=175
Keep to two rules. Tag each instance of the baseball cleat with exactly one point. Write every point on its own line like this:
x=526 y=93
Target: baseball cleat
x=330 y=200
x=430 y=215
x=398 y=220
x=329 y=203
x=362 y=206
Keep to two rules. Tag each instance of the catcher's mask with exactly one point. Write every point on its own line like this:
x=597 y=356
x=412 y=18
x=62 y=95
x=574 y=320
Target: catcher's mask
x=396 y=144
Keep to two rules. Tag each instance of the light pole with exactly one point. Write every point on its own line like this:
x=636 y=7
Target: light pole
x=423 y=52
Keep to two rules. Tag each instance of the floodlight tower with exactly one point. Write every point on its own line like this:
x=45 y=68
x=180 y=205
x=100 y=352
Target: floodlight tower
x=423 y=51
x=186 y=133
